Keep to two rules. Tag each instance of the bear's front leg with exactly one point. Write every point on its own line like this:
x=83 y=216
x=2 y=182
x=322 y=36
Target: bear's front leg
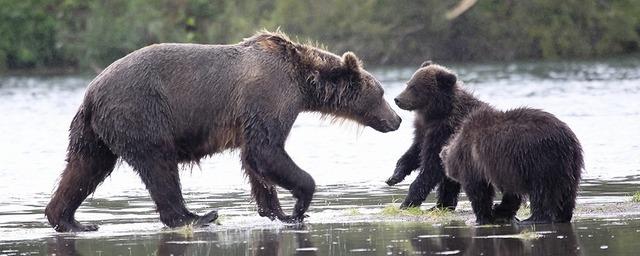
x=275 y=165
x=406 y=164
x=430 y=176
x=266 y=197
x=448 y=192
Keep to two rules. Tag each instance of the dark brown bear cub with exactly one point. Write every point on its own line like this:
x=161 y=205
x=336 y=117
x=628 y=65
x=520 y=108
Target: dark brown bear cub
x=168 y=104
x=438 y=114
x=522 y=152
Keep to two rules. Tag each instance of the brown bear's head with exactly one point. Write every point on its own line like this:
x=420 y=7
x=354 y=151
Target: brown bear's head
x=344 y=89
x=430 y=90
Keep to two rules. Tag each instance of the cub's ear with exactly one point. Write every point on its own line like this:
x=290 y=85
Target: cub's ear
x=426 y=63
x=446 y=79
x=351 y=62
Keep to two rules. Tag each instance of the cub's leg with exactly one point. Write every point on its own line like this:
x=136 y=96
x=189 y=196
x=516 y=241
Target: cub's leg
x=481 y=194
x=406 y=164
x=508 y=207
x=448 y=192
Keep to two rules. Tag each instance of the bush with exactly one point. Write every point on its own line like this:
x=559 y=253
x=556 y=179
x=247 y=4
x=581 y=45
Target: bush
x=94 y=33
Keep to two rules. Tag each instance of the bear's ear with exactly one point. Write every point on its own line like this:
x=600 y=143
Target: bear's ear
x=446 y=79
x=351 y=62
x=426 y=63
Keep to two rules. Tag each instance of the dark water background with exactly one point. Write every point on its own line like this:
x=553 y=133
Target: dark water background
x=599 y=100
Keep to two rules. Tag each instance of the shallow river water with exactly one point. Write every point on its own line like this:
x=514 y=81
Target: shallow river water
x=599 y=100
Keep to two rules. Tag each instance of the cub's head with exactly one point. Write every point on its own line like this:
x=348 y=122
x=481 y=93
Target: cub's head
x=343 y=88
x=430 y=90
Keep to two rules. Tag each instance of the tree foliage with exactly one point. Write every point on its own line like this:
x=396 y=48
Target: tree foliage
x=93 y=33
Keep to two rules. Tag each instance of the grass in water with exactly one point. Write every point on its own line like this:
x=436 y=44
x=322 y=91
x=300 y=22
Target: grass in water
x=529 y=235
x=524 y=210
x=185 y=231
x=354 y=212
x=524 y=235
x=636 y=197
x=392 y=210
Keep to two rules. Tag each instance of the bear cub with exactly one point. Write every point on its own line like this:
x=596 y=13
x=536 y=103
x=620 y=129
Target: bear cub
x=522 y=152
x=437 y=114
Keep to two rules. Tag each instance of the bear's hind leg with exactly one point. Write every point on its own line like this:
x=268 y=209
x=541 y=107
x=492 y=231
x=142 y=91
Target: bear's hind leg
x=87 y=166
x=481 y=194
x=541 y=210
x=508 y=207
x=159 y=172
x=566 y=203
x=448 y=192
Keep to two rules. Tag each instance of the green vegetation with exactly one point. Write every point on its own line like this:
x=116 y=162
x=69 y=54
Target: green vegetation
x=636 y=197
x=394 y=210
x=526 y=235
x=92 y=33
x=524 y=211
x=353 y=212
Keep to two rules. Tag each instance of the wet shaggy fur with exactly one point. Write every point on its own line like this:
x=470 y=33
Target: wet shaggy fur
x=521 y=152
x=439 y=110
x=168 y=104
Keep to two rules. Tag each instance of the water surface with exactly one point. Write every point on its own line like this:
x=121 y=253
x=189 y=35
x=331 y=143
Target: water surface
x=599 y=100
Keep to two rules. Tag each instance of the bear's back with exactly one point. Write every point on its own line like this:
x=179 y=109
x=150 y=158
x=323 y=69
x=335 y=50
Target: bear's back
x=519 y=145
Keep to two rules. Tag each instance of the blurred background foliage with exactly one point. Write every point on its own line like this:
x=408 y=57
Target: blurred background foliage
x=90 y=34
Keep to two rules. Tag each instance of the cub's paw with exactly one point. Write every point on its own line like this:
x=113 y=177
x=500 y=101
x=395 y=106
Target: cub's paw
x=506 y=220
x=482 y=222
x=394 y=180
x=504 y=216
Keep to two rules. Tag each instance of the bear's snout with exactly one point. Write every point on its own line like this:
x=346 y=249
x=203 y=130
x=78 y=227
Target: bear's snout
x=402 y=104
x=394 y=124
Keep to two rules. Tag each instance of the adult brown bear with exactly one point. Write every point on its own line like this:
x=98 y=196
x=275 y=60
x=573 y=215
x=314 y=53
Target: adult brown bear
x=521 y=152
x=175 y=103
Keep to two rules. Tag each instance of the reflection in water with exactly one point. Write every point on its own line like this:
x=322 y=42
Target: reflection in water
x=445 y=239
x=62 y=245
x=615 y=236
x=266 y=242
x=559 y=239
x=503 y=240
